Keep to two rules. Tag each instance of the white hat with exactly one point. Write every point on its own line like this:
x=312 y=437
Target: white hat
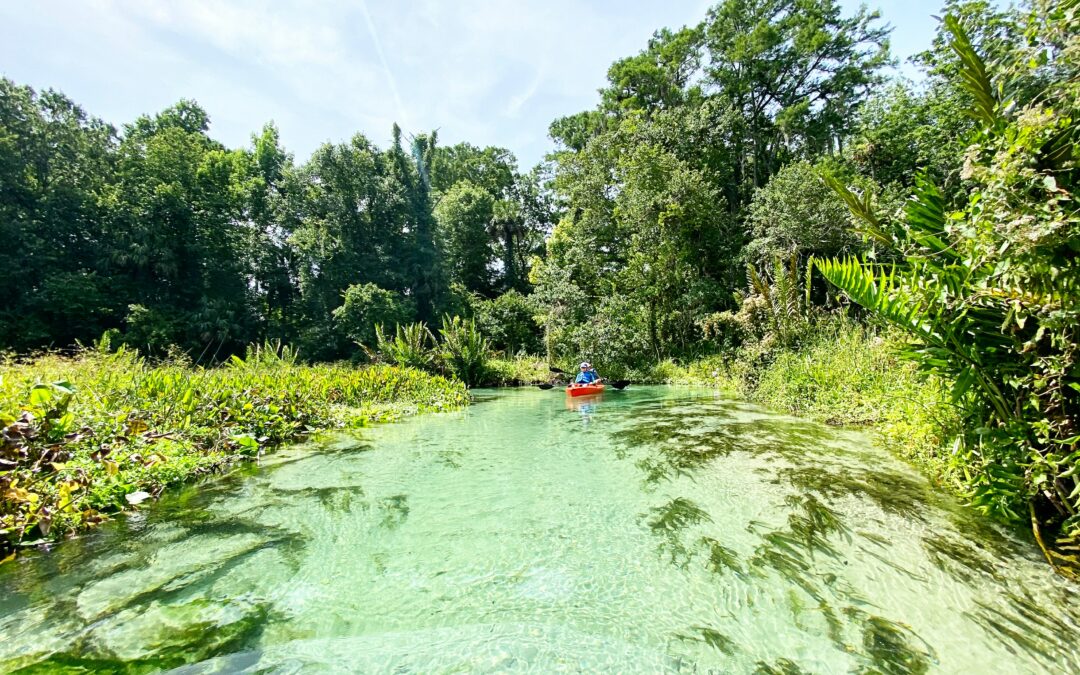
x=584 y=364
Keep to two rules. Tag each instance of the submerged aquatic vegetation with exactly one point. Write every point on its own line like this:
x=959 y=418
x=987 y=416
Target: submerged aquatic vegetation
x=87 y=436
x=711 y=637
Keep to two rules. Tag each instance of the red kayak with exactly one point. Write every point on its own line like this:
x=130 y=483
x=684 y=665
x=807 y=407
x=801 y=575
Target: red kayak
x=584 y=389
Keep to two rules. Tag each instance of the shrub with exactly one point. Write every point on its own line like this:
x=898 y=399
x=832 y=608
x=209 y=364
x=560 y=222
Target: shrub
x=150 y=330
x=412 y=346
x=464 y=349
x=515 y=371
x=615 y=338
x=366 y=306
x=508 y=322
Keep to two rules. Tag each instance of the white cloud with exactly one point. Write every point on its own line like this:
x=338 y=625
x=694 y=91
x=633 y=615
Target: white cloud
x=487 y=71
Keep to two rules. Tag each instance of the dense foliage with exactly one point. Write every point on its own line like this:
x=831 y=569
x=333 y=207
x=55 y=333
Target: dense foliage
x=162 y=233
x=684 y=217
x=87 y=436
x=990 y=292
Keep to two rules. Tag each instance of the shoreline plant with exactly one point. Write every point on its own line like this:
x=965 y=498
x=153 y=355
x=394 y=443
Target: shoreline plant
x=88 y=436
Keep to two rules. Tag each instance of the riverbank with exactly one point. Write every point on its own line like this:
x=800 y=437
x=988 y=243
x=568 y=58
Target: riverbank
x=89 y=436
x=845 y=374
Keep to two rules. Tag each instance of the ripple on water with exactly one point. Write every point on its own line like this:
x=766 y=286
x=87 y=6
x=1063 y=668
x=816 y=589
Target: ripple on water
x=656 y=530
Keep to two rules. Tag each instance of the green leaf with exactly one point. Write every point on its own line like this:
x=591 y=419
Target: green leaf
x=40 y=395
x=973 y=74
x=962 y=384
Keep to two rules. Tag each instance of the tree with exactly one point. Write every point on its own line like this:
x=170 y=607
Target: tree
x=797 y=214
x=366 y=306
x=900 y=131
x=491 y=169
x=181 y=229
x=795 y=70
x=55 y=166
x=348 y=218
x=413 y=173
x=464 y=214
x=274 y=260
x=659 y=77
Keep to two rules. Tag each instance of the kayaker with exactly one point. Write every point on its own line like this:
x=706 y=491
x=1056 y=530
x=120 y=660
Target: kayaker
x=587 y=375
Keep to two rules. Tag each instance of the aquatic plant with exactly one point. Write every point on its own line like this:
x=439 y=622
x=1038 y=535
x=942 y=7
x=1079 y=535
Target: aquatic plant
x=88 y=436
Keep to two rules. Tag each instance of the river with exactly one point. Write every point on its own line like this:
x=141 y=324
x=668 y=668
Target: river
x=654 y=530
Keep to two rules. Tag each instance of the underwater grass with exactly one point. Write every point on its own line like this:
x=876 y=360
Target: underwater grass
x=88 y=436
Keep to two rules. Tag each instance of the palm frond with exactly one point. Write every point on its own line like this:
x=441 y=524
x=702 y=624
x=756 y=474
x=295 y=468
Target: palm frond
x=863 y=209
x=878 y=294
x=926 y=217
x=973 y=74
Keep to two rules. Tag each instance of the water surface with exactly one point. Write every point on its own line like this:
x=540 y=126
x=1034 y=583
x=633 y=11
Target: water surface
x=655 y=530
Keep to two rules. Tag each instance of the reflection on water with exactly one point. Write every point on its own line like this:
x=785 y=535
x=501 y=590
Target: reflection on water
x=674 y=532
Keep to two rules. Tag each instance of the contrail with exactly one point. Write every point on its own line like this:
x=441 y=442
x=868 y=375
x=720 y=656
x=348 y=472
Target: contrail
x=382 y=59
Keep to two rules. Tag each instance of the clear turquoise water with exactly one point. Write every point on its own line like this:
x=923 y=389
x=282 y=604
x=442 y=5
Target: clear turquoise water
x=656 y=530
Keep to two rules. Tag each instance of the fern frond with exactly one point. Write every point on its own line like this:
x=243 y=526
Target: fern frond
x=973 y=74
x=880 y=296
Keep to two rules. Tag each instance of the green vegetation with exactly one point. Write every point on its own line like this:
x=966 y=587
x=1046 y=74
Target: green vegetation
x=988 y=293
x=751 y=195
x=846 y=374
x=177 y=241
x=90 y=435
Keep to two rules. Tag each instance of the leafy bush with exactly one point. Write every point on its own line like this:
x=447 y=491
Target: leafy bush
x=464 y=350
x=989 y=296
x=150 y=330
x=412 y=346
x=515 y=371
x=615 y=337
x=508 y=322
x=366 y=306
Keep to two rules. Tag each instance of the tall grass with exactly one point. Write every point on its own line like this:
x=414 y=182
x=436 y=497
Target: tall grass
x=85 y=437
x=847 y=374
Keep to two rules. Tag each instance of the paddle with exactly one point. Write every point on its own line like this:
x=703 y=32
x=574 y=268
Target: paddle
x=615 y=384
x=560 y=371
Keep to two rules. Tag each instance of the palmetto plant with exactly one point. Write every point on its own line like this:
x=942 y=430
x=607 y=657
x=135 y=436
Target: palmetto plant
x=412 y=345
x=785 y=301
x=990 y=296
x=465 y=349
x=269 y=353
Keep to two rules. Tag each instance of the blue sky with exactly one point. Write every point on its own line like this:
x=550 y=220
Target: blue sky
x=491 y=72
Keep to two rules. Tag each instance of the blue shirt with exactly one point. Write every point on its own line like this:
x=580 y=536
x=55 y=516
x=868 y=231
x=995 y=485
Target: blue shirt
x=586 y=377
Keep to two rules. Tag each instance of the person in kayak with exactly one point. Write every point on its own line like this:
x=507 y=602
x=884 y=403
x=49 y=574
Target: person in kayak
x=587 y=374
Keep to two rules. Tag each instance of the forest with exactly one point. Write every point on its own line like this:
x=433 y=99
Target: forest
x=756 y=201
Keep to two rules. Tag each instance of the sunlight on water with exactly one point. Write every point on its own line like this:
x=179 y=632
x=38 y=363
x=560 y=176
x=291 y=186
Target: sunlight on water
x=656 y=530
